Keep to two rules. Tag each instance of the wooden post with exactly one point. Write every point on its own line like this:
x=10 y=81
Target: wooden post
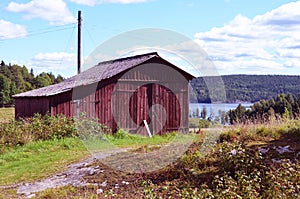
x=79 y=43
x=147 y=128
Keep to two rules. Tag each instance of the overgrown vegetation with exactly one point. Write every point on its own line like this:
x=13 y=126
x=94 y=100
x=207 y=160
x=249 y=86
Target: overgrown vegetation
x=19 y=133
x=235 y=168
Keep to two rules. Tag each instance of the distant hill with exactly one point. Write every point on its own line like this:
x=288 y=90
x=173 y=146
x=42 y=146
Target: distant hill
x=250 y=88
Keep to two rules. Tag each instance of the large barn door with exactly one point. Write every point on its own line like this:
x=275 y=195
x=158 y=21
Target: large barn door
x=158 y=106
x=140 y=102
x=166 y=111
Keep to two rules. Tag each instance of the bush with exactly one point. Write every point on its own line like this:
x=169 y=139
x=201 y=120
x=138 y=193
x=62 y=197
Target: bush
x=18 y=133
x=121 y=134
x=90 y=129
x=204 y=123
x=245 y=173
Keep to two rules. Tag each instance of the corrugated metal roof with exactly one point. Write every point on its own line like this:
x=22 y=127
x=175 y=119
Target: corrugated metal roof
x=101 y=71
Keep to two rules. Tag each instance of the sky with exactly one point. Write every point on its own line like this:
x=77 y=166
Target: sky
x=239 y=36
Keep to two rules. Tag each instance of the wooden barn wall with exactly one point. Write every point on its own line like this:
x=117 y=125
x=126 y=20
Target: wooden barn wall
x=27 y=107
x=61 y=104
x=84 y=100
x=103 y=103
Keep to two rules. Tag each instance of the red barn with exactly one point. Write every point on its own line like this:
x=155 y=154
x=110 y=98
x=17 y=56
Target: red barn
x=121 y=93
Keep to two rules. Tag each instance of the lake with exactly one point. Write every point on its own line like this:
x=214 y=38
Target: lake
x=215 y=108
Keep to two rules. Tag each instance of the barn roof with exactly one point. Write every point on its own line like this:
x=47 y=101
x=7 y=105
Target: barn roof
x=101 y=71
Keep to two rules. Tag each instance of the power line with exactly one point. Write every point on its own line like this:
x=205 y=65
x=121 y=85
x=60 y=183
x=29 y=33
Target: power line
x=49 y=30
x=38 y=32
x=68 y=43
x=90 y=36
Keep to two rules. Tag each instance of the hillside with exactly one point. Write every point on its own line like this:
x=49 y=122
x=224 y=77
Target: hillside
x=250 y=88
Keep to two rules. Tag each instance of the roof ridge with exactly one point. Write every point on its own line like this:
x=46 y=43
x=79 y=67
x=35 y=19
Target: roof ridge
x=129 y=57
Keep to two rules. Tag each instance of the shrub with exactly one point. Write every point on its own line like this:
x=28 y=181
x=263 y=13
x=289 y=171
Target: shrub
x=204 y=123
x=121 y=134
x=245 y=173
x=17 y=133
x=90 y=128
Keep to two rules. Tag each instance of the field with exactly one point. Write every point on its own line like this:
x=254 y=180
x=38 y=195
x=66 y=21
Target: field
x=247 y=161
x=6 y=114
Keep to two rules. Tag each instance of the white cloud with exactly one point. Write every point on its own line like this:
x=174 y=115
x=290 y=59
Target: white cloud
x=267 y=43
x=57 y=62
x=94 y=2
x=85 y=2
x=292 y=63
x=124 y=1
x=10 y=30
x=54 y=11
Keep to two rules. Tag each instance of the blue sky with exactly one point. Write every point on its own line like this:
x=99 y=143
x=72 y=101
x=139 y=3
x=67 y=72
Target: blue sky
x=239 y=36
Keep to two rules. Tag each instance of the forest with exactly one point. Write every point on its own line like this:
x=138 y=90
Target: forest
x=248 y=88
x=16 y=79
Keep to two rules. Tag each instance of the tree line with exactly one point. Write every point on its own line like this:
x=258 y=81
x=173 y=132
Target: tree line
x=16 y=79
x=282 y=107
x=246 y=88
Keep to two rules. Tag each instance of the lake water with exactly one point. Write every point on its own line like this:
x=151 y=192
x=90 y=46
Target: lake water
x=214 y=109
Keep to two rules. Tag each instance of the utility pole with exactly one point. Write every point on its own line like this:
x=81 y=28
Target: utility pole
x=79 y=43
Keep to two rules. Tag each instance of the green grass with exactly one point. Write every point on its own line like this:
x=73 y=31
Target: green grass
x=130 y=140
x=43 y=158
x=123 y=139
x=7 y=114
x=39 y=159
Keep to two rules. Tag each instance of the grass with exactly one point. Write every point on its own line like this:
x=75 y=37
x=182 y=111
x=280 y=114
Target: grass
x=43 y=158
x=123 y=139
x=259 y=132
x=39 y=159
x=7 y=114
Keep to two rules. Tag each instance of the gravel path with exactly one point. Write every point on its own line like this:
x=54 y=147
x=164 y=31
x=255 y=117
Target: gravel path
x=72 y=176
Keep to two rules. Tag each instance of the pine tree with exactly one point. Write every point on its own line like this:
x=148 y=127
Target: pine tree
x=204 y=113
x=4 y=90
